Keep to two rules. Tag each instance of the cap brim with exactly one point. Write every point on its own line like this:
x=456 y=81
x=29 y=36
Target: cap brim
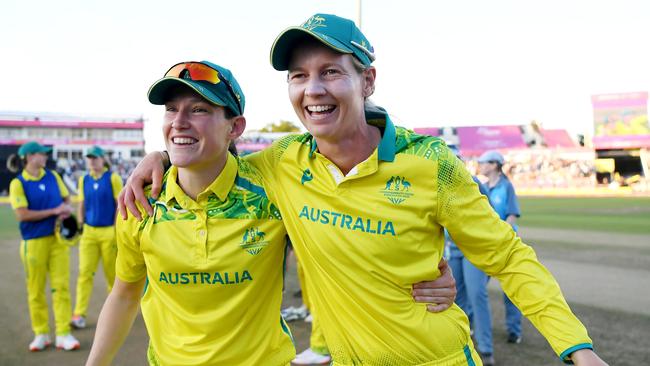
x=284 y=43
x=45 y=149
x=158 y=92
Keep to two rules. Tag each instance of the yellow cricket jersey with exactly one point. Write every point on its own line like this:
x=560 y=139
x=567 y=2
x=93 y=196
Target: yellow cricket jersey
x=214 y=271
x=17 y=193
x=365 y=238
x=116 y=183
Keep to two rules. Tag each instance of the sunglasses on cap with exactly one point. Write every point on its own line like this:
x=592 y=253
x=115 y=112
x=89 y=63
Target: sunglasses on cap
x=202 y=72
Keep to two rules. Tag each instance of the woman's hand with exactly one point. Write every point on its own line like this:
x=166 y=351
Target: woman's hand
x=150 y=170
x=439 y=293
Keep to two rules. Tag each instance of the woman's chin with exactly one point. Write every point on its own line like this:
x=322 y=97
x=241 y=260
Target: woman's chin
x=180 y=161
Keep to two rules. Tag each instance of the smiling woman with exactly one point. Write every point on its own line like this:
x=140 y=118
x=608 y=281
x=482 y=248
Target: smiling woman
x=197 y=247
x=328 y=94
x=197 y=135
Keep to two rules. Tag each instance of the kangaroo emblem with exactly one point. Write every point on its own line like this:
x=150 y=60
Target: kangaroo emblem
x=390 y=181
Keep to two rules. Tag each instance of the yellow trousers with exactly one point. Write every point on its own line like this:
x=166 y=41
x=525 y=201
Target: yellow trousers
x=95 y=243
x=317 y=339
x=41 y=256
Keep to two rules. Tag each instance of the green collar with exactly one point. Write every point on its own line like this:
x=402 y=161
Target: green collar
x=221 y=186
x=377 y=118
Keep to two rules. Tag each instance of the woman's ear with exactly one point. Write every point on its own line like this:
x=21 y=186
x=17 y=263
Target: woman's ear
x=238 y=125
x=369 y=76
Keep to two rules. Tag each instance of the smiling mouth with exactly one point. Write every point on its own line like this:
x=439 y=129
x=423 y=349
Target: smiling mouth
x=320 y=110
x=184 y=141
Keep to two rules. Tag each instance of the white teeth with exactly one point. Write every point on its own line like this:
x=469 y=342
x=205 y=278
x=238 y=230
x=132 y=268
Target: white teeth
x=319 y=108
x=183 y=140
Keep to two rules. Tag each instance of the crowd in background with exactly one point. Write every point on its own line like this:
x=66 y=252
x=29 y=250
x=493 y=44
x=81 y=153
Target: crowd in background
x=71 y=169
x=546 y=170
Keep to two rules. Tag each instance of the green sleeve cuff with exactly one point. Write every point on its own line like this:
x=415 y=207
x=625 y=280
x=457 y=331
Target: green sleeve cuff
x=565 y=355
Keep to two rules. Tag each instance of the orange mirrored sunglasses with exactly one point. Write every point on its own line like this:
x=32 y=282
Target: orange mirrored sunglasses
x=201 y=72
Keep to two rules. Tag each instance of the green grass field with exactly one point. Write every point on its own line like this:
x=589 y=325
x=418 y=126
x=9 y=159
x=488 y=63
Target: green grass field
x=8 y=223
x=625 y=215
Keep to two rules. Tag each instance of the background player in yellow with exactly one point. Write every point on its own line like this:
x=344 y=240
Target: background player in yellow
x=98 y=191
x=38 y=197
x=374 y=195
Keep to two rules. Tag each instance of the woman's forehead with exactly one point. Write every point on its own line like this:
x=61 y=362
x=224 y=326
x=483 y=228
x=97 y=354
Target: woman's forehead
x=315 y=52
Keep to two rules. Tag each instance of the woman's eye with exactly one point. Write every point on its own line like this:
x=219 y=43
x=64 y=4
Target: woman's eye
x=296 y=76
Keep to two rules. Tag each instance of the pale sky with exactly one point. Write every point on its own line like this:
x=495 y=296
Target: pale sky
x=439 y=63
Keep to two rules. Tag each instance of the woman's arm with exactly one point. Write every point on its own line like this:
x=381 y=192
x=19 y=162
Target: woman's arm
x=586 y=357
x=25 y=214
x=80 y=213
x=115 y=321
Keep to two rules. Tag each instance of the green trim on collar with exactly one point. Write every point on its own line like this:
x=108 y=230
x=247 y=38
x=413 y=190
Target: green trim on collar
x=387 y=144
x=220 y=186
x=313 y=147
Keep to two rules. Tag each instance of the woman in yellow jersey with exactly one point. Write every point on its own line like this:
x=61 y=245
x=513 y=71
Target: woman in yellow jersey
x=210 y=255
x=211 y=252
x=367 y=216
x=38 y=197
x=96 y=213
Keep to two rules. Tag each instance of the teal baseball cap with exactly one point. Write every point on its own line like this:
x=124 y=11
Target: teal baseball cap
x=95 y=152
x=213 y=82
x=339 y=34
x=32 y=147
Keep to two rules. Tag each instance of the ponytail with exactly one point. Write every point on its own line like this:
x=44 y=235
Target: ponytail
x=15 y=163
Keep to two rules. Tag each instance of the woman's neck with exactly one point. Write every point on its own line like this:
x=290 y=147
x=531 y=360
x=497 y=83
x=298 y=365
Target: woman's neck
x=493 y=178
x=194 y=180
x=354 y=148
x=33 y=170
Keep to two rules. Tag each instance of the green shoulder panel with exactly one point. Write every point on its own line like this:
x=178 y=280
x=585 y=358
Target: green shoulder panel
x=411 y=143
x=242 y=203
x=281 y=145
x=246 y=200
x=250 y=173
